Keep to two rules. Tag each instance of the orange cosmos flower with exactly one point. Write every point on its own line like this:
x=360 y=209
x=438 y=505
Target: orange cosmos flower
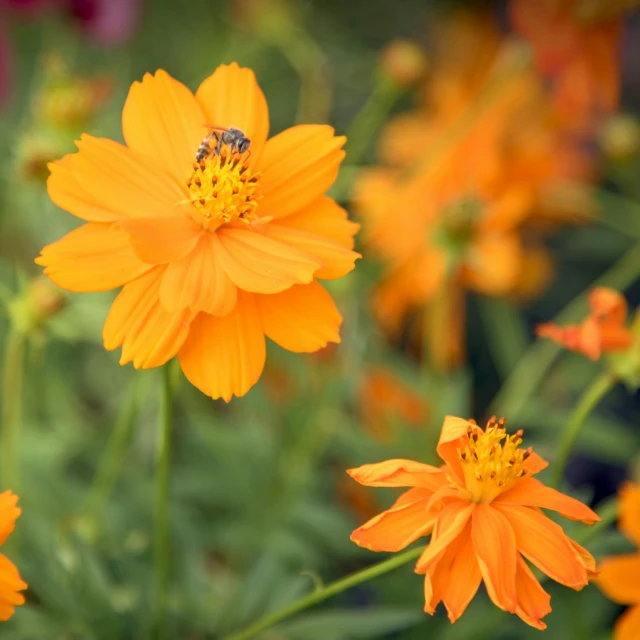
x=482 y=509
x=620 y=575
x=10 y=581
x=580 y=56
x=213 y=255
x=603 y=330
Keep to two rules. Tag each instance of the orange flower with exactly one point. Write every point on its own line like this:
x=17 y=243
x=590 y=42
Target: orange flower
x=482 y=509
x=602 y=331
x=581 y=56
x=384 y=396
x=620 y=575
x=213 y=255
x=10 y=581
x=466 y=173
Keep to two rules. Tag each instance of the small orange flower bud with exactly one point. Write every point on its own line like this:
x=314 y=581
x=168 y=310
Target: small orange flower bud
x=39 y=302
x=403 y=62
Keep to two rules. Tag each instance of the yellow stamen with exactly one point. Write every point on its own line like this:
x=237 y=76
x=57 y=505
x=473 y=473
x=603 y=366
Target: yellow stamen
x=222 y=190
x=492 y=461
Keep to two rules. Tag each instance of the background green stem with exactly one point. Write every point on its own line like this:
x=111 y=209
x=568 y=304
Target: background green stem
x=533 y=365
x=161 y=523
x=12 y=383
x=587 y=403
x=326 y=592
x=112 y=460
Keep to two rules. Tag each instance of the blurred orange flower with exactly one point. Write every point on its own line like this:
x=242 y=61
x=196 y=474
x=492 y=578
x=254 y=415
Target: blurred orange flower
x=479 y=161
x=383 y=396
x=619 y=575
x=580 y=56
x=603 y=330
x=10 y=581
x=214 y=254
x=482 y=509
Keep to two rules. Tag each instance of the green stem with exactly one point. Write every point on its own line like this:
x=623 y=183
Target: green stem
x=587 y=403
x=326 y=592
x=13 y=378
x=369 y=119
x=532 y=367
x=161 y=524
x=113 y=458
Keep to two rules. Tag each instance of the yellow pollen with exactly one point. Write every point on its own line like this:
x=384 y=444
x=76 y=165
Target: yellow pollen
x=492 y=461
x=222 y=190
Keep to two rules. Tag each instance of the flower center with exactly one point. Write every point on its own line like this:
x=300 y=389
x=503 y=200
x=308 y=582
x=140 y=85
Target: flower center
x=457 y=226
x=222 y=190
x=492 y=461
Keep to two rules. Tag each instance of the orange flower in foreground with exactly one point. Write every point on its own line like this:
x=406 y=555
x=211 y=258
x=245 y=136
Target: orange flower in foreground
x=482 y=509
x=620 y=575
x=603 y=330
x=580 y=56
x=10 y=582
x=213 y=255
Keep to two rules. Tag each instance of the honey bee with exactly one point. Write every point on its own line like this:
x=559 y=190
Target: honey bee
x=232 y=137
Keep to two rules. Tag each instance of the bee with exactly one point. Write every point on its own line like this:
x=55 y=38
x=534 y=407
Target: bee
x=232 y=137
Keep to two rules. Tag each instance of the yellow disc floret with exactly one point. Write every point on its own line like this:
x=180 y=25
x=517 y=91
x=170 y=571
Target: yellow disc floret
x=492 y=461
x=222 y=190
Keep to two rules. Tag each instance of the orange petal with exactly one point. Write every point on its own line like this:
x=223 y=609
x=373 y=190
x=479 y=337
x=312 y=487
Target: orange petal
x=629 y=520
x=298 y=166
x=450 y=523
x=120 y=180
x=494 y=543
x=10 y=584
x=545 y=544
x=162 y=240
x=9 y=512
x=302 y=319
x=534 y=603
x=396 y=528
x=590 y=339
x=584 y=558
x=627 y=626
x=608 y=304
x=224 y=356
x=535 y=463
x=335 y=259
x=618 y=578
x=94 y=257
x=493 y=264
x=231 y=97
x=398 y=473
x=148 y=333
x=323 y=217
x=461 y=575
x=162 y=121
x=198 y=282
x=529 y=492
x=66 y=191
x=262 y=265
x=453 y=429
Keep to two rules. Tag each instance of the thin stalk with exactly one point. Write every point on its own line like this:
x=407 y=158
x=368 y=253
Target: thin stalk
x=370 y=118
x=587 y=403
x=161 y=523
x=12 y=383
x=112 y=460
x=326 y=592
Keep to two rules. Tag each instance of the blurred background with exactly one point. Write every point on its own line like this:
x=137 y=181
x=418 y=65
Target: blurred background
x=528 y=120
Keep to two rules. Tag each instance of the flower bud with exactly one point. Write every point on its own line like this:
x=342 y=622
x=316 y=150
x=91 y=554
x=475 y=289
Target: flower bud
x=403 y=62
x=38 y=302
x=620 y=137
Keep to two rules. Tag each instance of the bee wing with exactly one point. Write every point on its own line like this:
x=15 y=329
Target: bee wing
x=214 y=127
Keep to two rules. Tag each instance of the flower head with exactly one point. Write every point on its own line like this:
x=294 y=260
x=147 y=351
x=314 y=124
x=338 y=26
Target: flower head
x=10 y=582
x=619 y=576
x=213 y=254
x=604 y=330
x=579 y=55
x=482 y=509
